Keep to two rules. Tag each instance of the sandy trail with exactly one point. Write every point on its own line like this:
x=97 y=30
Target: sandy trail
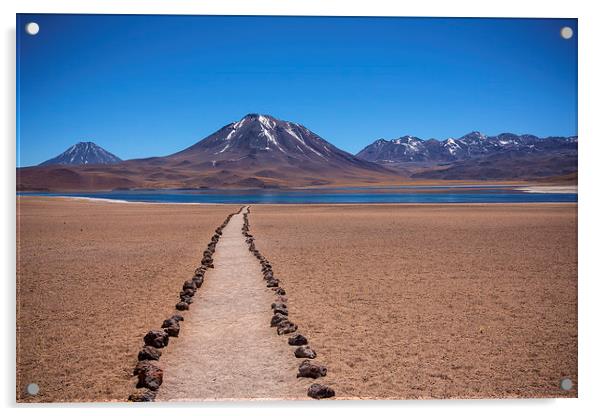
x=226 y=349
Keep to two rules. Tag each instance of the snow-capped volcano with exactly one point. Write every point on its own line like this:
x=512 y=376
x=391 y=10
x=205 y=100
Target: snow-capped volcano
x=263 y=140
x=258 y=133
x=83 y=153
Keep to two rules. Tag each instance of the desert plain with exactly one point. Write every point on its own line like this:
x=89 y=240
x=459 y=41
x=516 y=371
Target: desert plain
x=92 y=279
x=399 y=301
x=432 y=301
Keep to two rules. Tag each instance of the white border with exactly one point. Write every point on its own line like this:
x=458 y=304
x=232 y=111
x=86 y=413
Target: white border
x=508 y=8
x=590 y=151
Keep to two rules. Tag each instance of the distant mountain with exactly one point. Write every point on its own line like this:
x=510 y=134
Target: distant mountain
x=83 y=153
x=257 y=151
x=469 y=146
x=264 y=142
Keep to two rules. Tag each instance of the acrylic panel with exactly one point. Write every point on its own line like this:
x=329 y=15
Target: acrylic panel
x=295 y=208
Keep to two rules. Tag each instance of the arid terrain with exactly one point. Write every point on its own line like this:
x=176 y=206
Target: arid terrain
x=92 y=278
x=431 y=301
x=399 y=301
x=227 y=349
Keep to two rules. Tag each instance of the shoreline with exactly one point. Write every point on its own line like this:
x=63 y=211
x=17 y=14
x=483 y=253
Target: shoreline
x=549 y=189
x=118 y=201
x=292 y=204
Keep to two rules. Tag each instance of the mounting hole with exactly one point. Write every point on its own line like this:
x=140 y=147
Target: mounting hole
x=566 y=32
x=32 y=28
x=566 y=384
x=33 y=389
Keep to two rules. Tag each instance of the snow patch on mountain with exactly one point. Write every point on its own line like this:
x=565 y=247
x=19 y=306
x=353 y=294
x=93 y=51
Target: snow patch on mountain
x=289 y=130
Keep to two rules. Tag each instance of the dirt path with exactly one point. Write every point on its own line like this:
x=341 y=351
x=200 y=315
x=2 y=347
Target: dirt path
x=226 y=349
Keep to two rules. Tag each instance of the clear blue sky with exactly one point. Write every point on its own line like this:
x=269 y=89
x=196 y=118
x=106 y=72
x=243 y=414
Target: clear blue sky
x=152 y=85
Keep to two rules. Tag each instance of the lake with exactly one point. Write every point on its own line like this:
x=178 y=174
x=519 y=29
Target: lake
x=399 y=194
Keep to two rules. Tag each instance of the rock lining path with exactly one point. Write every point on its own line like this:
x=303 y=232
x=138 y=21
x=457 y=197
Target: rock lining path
x=227 y=349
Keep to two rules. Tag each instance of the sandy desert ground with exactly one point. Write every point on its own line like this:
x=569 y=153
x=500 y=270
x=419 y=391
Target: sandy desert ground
x=399 y=301
x=226 y=349
x=92 y=278
x=431 y=301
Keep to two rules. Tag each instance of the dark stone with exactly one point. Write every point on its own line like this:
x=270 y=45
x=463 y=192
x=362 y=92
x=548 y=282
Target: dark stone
x=178 y=318
x=279 y=291
x=198 y=281
x=280 y=307
x=319 y=391
x=277 y=318
x=305 y=352
x=297 y=340
x=157 y=339
x=169 y=322
x=143 y=396
x=186 y=299
x=200 y=271
x=273 y=283
x=189 y=284
x=307 y=369
x=149 y=353
x=173 y=331
x=172 y=327
x=286 y=327
x=188 y=292
x=282 y=311
x=182 y=306
x=149 y=375
x=141 y=366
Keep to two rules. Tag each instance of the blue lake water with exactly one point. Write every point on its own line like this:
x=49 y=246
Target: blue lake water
x=422 y=194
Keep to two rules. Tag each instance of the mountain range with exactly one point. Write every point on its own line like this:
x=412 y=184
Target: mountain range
x=476 y=156
x=472 y=145
x=261 y=151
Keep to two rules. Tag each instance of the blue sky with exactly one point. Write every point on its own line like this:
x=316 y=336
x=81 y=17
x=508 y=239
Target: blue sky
x=152 y=85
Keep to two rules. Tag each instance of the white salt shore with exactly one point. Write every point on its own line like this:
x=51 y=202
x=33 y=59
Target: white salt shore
x=550 y=189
